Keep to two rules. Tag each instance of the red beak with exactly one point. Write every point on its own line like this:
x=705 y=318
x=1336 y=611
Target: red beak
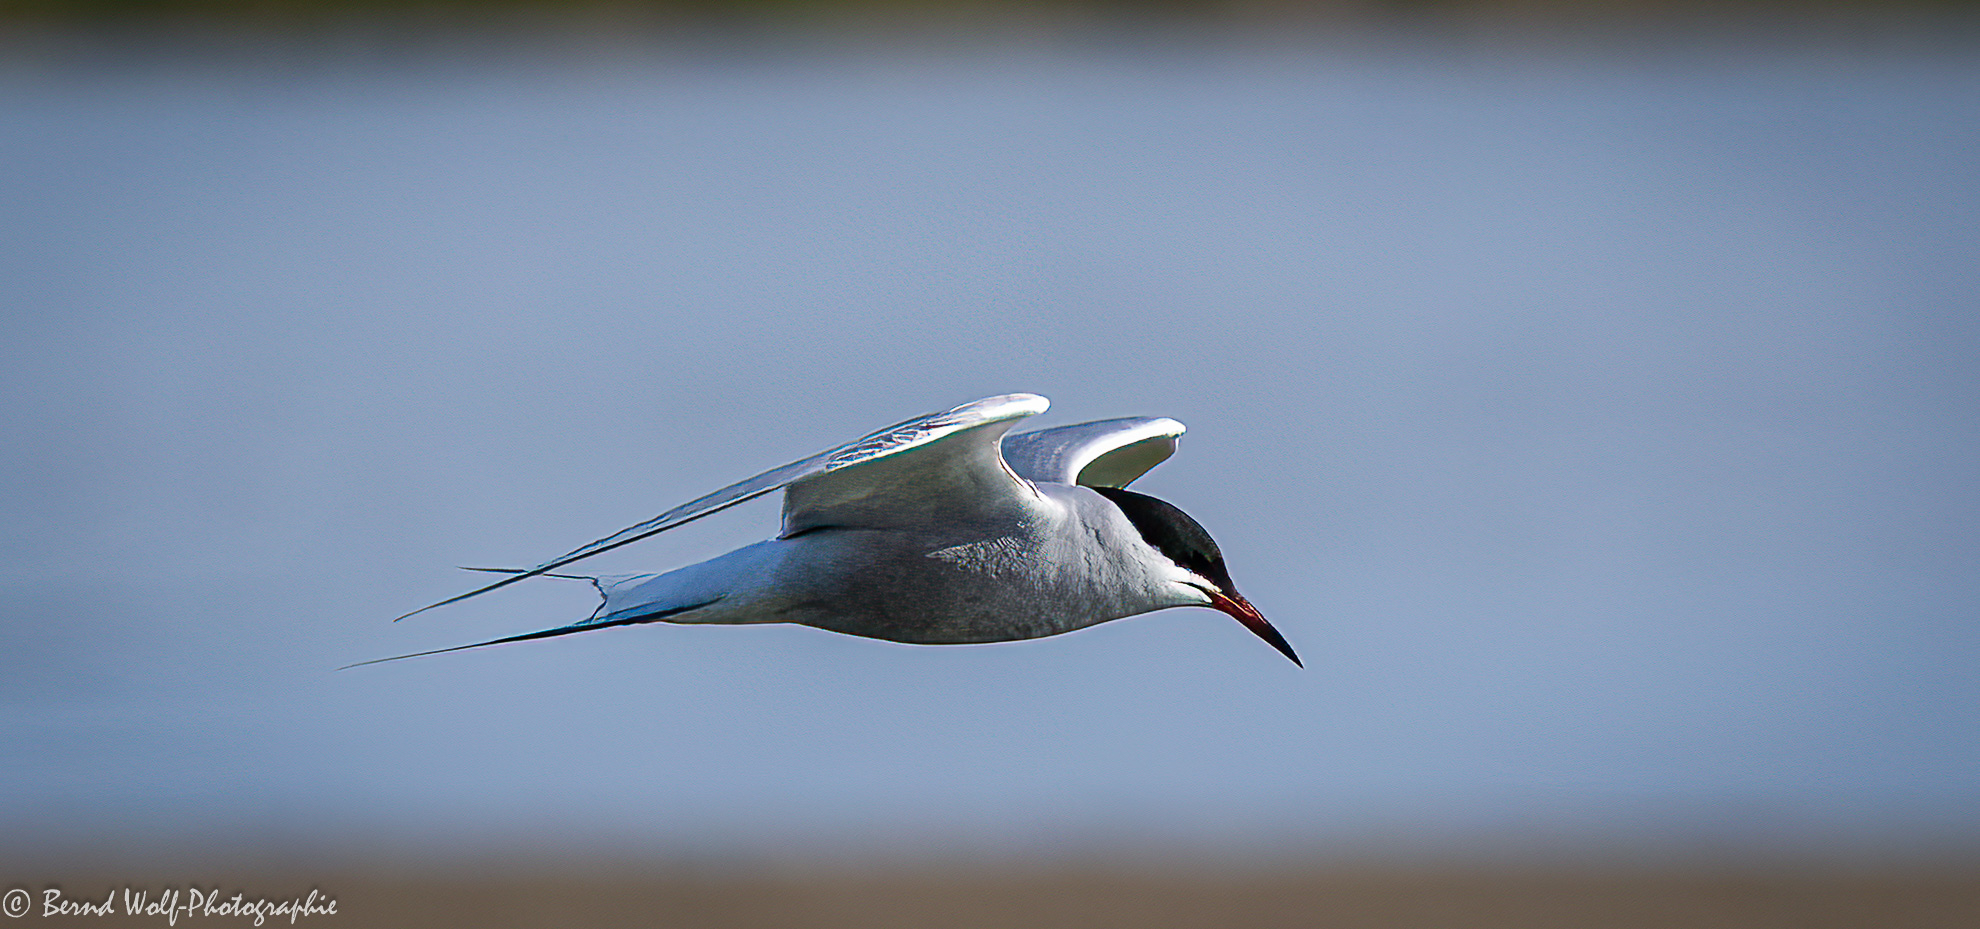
x=1242 y=611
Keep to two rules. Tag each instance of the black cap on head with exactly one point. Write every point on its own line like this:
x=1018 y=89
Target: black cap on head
x=1169 y=530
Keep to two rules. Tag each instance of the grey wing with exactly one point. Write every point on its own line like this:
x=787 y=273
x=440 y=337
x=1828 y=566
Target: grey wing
x=1108 y=453
x=947 y=470
x=893 y=440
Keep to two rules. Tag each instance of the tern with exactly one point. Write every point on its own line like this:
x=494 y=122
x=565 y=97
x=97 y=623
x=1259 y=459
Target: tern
x=940 y=530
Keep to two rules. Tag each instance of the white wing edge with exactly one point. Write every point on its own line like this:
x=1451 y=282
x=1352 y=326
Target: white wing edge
x=894 y=439
x=917 y=432
x=1104 y=453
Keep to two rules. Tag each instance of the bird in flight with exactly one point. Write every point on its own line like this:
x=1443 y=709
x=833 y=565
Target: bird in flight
x=940 y=530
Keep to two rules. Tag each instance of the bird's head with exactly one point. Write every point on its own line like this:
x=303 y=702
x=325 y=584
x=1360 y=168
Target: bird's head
x=1201 y=578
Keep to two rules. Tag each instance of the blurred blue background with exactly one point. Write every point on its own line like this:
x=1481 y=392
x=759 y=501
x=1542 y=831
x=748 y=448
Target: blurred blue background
x=1602 y=426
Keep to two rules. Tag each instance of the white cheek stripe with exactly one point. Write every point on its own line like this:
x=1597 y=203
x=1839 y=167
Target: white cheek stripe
x=1197 y=583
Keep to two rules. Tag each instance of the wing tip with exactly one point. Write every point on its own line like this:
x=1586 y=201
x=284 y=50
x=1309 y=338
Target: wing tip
x=1006 y=406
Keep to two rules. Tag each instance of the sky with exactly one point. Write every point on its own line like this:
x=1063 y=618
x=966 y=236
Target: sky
x=1602 y=429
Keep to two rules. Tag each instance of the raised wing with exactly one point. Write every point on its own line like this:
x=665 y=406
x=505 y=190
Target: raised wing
x=901 y=437
x=1108 y=453
x=943 y=469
